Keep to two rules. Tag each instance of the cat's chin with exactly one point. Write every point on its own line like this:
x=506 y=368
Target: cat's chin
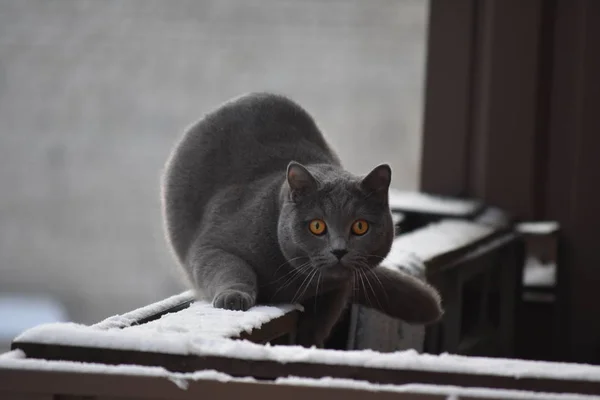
x=338 y=271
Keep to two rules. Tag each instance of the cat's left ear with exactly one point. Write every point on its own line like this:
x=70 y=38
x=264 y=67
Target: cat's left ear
x=300 y=180
x=377 y=182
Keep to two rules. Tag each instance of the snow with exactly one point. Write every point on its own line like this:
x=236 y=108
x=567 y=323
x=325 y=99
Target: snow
x=202 y=318
x=539 y=274
x=172 y=333
x=428 y=389
x=198 y=317
x=130 y=318
x=17 y=360
x=192 y=344
x=409 y=359
x=493 y=216
x=421 y=202
x=435 y=239
x=397 y=217
x=538 y=228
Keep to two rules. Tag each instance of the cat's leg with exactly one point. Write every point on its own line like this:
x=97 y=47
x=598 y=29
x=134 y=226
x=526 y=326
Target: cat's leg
x=399 y=295
x=320 y=316
x=223 y=278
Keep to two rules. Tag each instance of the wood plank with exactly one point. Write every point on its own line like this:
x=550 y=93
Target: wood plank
x=503 y=139
x=106 y=386
x=450 y=52
x=175 y=307
x=266 y=369
x=572 y=193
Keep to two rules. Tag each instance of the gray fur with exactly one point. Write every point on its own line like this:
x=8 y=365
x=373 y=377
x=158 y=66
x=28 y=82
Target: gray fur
x=238 y=193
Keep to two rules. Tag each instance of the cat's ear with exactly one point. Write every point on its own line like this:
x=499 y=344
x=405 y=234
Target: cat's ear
x=300 y=180
x=377 y=182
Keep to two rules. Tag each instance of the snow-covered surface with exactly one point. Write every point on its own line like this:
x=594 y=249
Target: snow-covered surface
x=397 y=217
x=203 y=319
x=422 y=202
x=539 y=274
x=435 y=239
x=172 y=333
x=538 y=228
x=21 y=312
x=127 y=319
x=17 y=360
x=430 y=389
x=493 y=216
x=190 y=344
x=200 y=318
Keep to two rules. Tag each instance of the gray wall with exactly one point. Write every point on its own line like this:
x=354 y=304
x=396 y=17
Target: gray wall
x=94 y=93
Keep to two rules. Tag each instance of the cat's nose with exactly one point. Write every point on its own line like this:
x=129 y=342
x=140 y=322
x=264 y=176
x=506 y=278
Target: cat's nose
x=339 y=253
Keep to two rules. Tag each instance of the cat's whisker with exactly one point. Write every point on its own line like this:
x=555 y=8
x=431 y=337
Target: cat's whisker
x=294 y=271
x=300 y=287
x=377 y=279
x=372 y=290
x=298 y=273
x=296 y=296
x=354 y=288
x=287 y=262
x=362 y=282
x=295 y=274
x=293 y=268
x=317 y=289
x=308 y=284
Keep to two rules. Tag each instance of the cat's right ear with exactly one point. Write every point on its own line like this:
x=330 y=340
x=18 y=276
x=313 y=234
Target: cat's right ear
x=300 y=180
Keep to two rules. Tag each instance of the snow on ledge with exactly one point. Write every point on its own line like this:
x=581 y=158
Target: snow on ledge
x=127 y=319
x=436 y=239
x=539 y=274
x=538 y=228
x=203 y=319
x=199 y=318
x=172 y=333
x=430 y=389
x=422 y=202
x=17 y=360
x=189 y=344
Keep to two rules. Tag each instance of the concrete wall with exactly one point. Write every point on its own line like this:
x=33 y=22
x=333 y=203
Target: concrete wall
x=94 y=93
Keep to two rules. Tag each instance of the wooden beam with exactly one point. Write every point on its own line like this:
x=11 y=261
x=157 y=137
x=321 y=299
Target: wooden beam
x=38 y=385
x=266 y=369
x=448 y=97
x=573 y=193
x=482 y=98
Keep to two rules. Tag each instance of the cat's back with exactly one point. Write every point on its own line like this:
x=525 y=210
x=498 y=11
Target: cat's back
x=243 y=141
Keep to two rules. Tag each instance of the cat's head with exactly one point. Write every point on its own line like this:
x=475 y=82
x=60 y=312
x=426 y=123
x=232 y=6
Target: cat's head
x=334 y=222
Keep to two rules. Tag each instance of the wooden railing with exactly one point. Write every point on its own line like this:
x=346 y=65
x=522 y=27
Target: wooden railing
x=477 y=269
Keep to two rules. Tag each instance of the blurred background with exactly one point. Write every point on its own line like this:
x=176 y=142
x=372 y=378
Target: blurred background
x=93 y=95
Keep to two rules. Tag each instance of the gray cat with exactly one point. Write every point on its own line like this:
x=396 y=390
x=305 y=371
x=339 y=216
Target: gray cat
x=259 y=210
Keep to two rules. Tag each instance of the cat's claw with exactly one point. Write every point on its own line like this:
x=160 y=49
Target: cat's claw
x=233 y=300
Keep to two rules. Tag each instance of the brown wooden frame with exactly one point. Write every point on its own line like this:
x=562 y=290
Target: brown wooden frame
x=511 y=118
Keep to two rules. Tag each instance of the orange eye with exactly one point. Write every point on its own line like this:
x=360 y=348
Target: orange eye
x=317 y=227
x=360 y=227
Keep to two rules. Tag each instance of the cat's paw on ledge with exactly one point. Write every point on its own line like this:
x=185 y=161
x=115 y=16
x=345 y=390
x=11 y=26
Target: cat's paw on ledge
x=233 y=300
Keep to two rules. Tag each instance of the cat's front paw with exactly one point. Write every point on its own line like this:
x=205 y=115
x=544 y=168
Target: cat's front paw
x=233 y=300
